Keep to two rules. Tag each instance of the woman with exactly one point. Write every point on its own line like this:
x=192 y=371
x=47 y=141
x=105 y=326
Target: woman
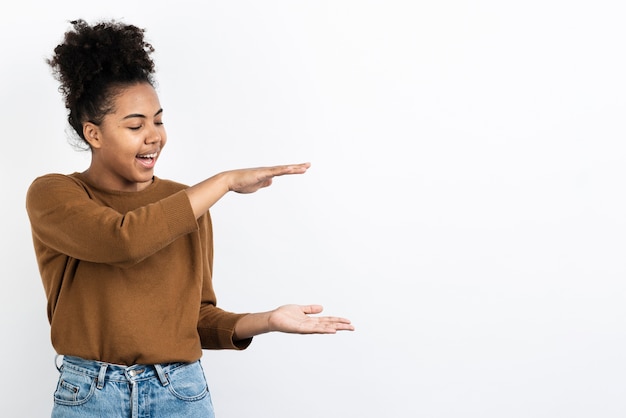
x=126 y=257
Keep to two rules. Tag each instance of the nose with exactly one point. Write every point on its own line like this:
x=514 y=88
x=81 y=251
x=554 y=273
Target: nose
x=153 y=136
x=153 y=139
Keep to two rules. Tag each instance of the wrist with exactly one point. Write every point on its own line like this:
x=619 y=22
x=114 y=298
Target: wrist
x=252 y=324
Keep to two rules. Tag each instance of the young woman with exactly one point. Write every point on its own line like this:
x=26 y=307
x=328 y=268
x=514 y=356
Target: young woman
x=126 y=257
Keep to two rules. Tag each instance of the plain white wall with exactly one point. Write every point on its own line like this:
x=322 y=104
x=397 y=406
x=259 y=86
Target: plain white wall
x=465 y=207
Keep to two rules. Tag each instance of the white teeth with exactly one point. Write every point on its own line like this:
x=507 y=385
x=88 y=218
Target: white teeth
x=154 y=154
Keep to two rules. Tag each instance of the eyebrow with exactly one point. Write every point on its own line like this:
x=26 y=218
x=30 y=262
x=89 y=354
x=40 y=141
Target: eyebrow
x=139 y=115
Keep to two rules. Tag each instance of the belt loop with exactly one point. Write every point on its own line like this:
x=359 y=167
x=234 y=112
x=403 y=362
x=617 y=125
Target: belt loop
x=56 y=363
x=162 y=375
x=103 y=370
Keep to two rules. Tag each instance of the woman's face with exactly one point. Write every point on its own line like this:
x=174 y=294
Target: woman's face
x=126 y=145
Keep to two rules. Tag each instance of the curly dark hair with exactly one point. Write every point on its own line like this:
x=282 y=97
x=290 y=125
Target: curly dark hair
x=94 y=63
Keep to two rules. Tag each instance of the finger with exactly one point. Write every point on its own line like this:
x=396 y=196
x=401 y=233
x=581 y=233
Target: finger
x=332 y=328
x=344 y=327
x=312 y=309
x=341 y=326
x=335 y=320
x=290 y=169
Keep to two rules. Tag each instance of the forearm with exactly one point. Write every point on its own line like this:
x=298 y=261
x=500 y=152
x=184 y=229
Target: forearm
x=291 y=318
x=206 y=193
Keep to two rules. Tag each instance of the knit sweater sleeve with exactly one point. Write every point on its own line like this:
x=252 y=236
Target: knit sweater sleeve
x=216 y=326
x=65 y=218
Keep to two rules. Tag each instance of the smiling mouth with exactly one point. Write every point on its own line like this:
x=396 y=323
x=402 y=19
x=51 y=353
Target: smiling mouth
x=148 y=156
x=147 y=160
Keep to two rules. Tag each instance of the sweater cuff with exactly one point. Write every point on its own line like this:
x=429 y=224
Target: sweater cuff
x=223 y=337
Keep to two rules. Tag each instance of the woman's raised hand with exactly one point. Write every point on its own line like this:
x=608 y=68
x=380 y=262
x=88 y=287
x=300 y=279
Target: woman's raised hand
x=249 y=180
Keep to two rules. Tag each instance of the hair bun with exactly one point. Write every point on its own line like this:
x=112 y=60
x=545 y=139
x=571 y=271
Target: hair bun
x=93 y=58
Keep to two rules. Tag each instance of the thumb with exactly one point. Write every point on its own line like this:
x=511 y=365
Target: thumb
x=312 y=309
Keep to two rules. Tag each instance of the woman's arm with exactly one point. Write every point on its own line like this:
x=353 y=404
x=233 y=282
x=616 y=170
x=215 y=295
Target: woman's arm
x=293 y=319
x=206 y=193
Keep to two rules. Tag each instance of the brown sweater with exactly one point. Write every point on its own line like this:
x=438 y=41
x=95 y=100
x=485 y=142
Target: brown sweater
x=127 y=275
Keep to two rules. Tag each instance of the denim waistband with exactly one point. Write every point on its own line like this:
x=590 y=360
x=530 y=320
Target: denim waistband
x=116 y=372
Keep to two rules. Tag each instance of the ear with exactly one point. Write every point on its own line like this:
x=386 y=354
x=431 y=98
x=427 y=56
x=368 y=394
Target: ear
x=92 y=134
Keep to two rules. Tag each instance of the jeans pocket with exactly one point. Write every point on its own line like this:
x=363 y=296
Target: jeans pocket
x=74 y=388
x=188 y=382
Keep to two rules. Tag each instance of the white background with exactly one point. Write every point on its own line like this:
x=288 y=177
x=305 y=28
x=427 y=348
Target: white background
x=465 y=207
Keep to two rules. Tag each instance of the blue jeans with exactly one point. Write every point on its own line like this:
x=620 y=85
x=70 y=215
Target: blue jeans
x=94 y=389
